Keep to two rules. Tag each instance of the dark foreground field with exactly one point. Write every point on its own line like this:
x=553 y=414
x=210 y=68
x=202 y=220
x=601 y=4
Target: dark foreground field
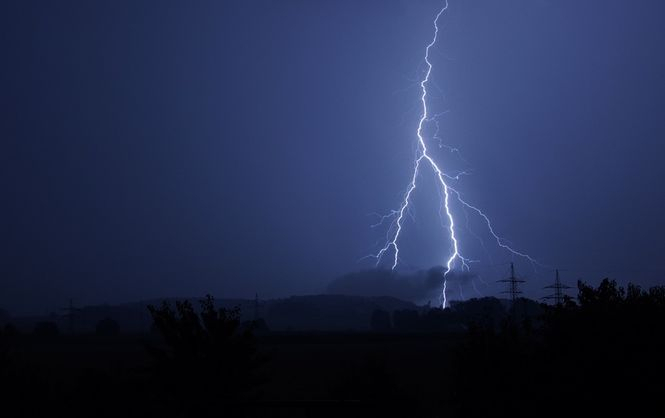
x=305 y=374
x=602 y=355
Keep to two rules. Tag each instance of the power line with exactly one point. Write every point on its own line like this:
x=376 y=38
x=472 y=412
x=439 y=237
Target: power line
x=559 y=288
x=513 y=284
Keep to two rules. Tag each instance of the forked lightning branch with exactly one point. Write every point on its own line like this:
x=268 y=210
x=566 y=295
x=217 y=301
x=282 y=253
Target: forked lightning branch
x=425 y=161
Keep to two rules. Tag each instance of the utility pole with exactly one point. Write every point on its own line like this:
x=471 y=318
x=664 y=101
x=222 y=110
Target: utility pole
x=559 y=288
x=513 y=284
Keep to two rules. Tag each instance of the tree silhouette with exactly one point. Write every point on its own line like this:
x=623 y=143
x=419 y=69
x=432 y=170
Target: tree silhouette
x=204 y=356
x=601 y=356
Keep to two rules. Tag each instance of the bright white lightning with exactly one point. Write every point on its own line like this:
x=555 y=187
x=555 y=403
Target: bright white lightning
x=443 y=294
x=423 y=156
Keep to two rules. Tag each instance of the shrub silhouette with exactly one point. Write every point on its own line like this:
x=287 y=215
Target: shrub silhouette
x=593 y=358
x=204 y=356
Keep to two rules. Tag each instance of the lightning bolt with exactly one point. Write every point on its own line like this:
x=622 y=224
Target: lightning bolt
x=423 y=158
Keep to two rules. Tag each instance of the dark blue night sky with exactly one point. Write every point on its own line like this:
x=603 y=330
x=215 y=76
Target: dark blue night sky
x=180 y=148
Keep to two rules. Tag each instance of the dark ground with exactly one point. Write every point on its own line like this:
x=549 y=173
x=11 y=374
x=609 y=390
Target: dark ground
x=599 y=356
x=306 y=374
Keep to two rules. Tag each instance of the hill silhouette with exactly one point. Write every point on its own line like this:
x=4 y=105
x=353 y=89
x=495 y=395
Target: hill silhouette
x=295 y=313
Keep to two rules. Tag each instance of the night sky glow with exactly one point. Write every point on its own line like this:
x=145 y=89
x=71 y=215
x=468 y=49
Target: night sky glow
x=157 y=149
